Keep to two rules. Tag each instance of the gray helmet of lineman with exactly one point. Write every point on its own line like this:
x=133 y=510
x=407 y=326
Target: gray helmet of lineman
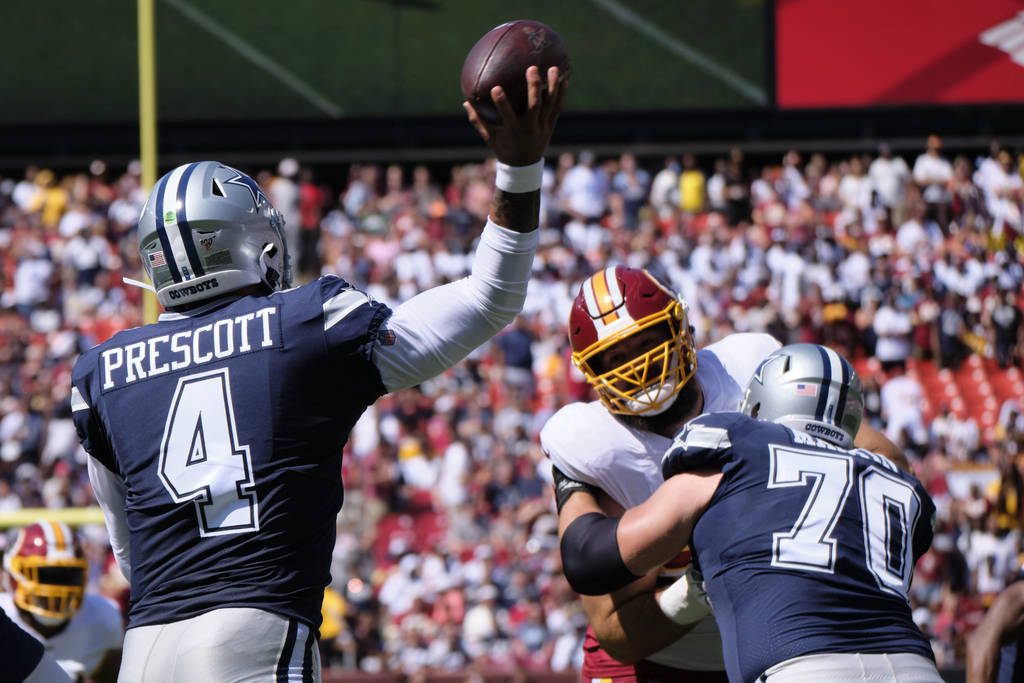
x=808 y=388
x=207 y=230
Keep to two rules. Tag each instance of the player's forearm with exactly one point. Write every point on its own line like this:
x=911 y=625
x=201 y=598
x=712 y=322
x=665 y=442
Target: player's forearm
x=654 y=532
x=982 y=656
x=439 y=327
x=519 y=211
x=633 y=628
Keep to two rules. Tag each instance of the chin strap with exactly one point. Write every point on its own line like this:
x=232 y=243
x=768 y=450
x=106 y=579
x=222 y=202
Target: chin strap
x=139 y=284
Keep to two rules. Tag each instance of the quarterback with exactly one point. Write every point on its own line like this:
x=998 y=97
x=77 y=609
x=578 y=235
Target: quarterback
x=631 y=339
x=216 y=433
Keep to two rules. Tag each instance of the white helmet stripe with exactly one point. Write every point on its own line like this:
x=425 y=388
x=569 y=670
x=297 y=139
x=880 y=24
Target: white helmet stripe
x=604 y=301
x=169 y=219
x=50 y=533
x=588 y=296
x=834 y=389
x=613 y=286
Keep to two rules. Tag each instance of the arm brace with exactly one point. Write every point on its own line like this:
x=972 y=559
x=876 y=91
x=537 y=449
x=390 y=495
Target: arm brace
x=590 y=555
x=437 y=328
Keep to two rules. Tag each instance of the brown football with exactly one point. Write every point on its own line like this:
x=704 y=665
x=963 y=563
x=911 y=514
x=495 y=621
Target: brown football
x=502 y=56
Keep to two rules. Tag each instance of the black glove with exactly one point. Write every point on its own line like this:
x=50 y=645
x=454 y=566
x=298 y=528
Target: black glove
x=565 y=487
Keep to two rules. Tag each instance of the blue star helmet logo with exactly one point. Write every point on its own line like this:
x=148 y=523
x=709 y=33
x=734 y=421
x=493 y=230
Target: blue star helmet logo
x=249 y=184
x=759 y=373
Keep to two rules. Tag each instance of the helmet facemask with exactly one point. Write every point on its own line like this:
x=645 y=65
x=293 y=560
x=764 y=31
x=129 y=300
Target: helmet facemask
x=46 y=579
x=49 y=588
x=647 y=384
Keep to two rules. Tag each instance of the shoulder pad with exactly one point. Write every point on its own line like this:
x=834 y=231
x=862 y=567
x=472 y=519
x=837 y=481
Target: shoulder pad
x=703 y=442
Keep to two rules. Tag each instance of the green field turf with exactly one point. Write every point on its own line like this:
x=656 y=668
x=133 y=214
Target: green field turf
x=71 y=61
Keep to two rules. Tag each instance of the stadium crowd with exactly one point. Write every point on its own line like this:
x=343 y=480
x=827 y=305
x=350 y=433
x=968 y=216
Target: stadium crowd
x=447 y=552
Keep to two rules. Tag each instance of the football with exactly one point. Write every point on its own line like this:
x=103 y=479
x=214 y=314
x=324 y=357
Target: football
x=502 y=56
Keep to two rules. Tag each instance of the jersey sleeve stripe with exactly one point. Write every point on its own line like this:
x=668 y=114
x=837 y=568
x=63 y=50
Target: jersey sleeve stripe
x=340 y=305
x=77 y=402
x=707 y=437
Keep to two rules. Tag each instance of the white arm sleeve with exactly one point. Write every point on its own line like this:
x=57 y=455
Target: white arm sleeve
x=110 y=492
x=437 y=328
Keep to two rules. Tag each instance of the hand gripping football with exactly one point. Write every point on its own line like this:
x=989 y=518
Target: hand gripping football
x=502 y=56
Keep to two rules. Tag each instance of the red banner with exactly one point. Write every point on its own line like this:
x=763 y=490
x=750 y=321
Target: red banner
x=884 y=52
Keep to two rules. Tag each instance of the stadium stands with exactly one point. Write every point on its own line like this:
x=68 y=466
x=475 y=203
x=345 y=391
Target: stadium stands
x=448 y=534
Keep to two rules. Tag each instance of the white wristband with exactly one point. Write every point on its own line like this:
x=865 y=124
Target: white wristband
x=519 y=179
x=685 y=601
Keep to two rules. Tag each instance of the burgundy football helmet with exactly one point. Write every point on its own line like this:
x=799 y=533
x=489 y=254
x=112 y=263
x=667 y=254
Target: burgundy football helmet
x=634 y=372
x=46 y=572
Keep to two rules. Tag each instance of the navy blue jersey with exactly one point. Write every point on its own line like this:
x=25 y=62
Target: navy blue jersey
x=21 y=652
x=227 y=426
x=805 y=547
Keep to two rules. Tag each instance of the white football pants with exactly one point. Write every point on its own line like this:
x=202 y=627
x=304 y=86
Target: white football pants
x=230 y=645
x=850 y=668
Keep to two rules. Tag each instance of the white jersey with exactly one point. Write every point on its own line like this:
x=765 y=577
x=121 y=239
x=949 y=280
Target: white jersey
x=589 y=444
x=80 y=647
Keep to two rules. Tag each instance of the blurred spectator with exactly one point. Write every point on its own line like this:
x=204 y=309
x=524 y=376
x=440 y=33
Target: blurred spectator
x=951 y=330
x=692 y=186
x=902 y=398
x=737 y=190
x=889 y=175
x=284 y=195
x=581 y=191
x=311 y=205
x=446 y=489
x=665 y=188
x=1006 y=321
x=892 y=328
x=631 y=182
x=933 y=173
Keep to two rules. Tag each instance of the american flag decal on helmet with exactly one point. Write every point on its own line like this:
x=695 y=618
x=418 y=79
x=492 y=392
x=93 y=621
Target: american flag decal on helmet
x=806 y=390
x=157 y=258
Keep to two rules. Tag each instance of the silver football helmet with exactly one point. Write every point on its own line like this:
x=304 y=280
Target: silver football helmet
x=808 y=388
x=208 y=229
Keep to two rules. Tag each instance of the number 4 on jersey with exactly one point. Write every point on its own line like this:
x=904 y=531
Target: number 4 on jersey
x=201 y=459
